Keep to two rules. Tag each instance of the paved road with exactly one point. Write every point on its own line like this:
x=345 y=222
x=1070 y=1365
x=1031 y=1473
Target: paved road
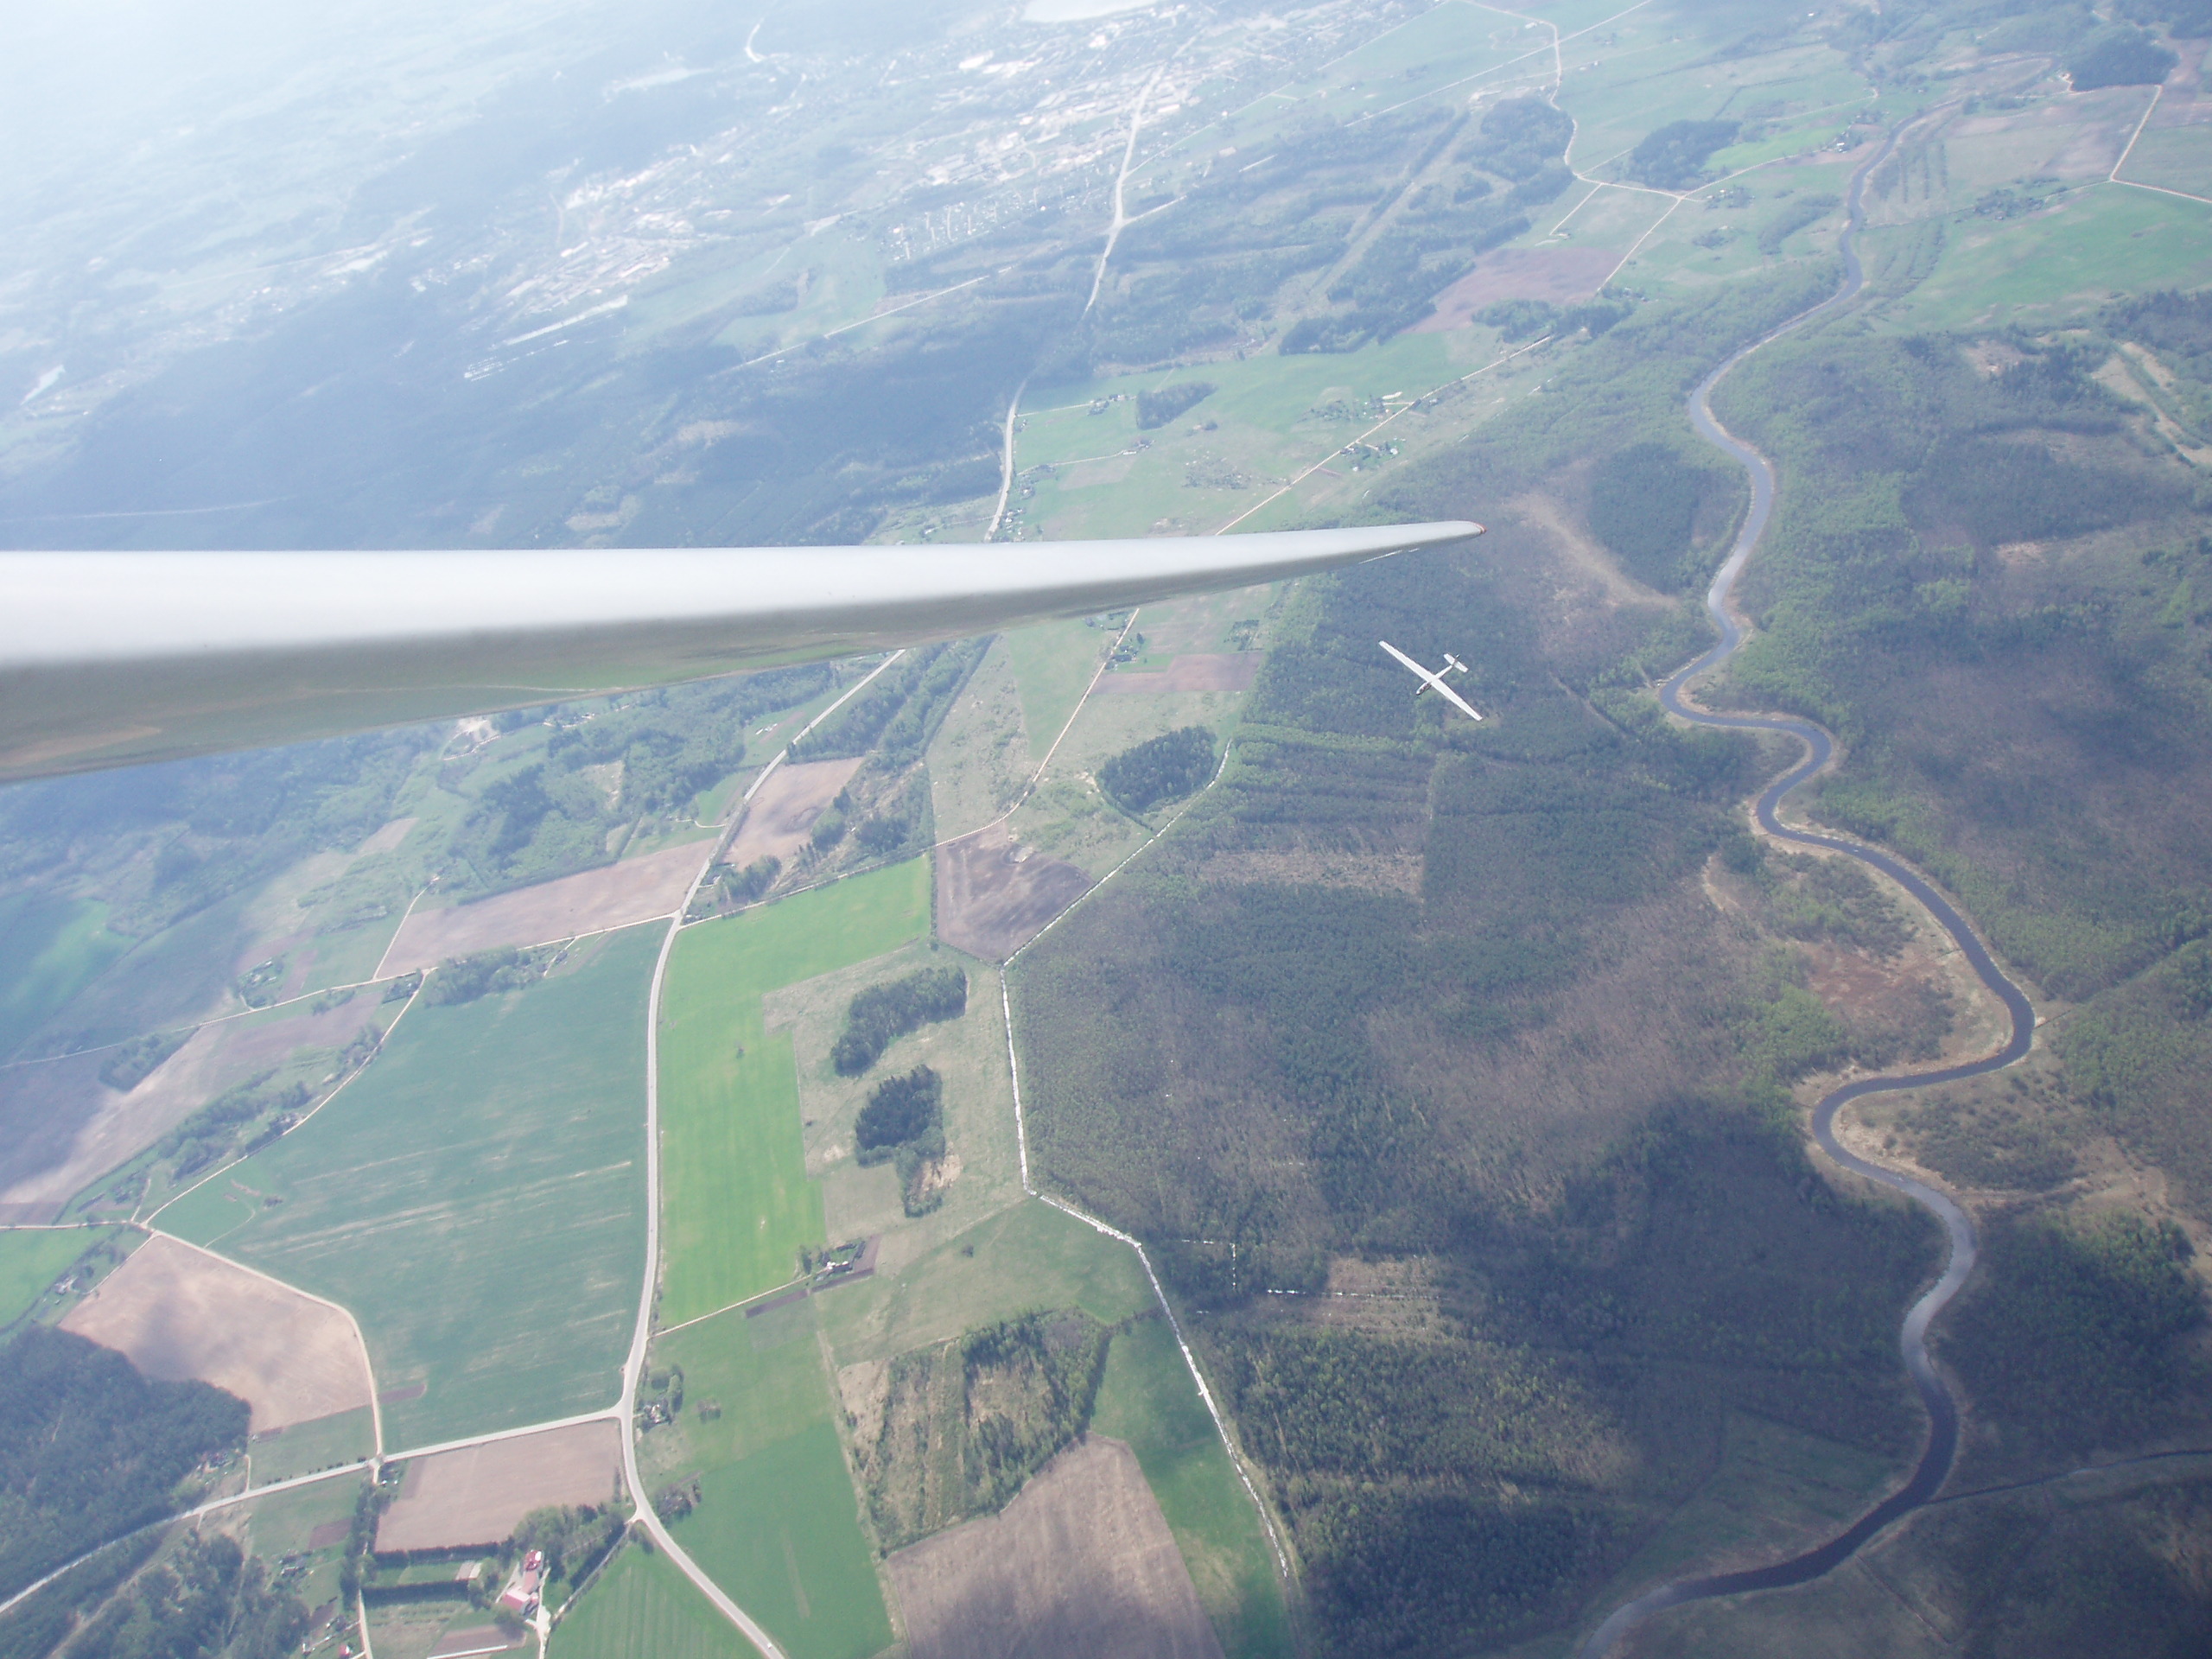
x=1941 y=1450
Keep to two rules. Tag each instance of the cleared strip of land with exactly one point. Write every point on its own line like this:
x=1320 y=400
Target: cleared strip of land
x=617 y=895
x=737 y=1204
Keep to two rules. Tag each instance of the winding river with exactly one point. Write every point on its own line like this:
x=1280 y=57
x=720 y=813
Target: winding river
x=1935 y=1461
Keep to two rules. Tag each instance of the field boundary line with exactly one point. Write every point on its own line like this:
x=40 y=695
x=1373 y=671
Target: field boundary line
x=730 y=1307
x=605 y=1414
x=382 y=1037
x=2148 y=109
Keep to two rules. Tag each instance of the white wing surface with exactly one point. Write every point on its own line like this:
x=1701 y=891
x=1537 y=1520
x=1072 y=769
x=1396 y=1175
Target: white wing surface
x=110 y=660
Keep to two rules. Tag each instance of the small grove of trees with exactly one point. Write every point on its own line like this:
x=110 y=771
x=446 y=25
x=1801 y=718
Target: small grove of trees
x=1164 y=769
x=881 y=1015
x=464 y=979
x=1673 y=156
x=213 y=1132
x=902 y=1124
x=744 y=886
x=1157 y=408
x=138 y=1059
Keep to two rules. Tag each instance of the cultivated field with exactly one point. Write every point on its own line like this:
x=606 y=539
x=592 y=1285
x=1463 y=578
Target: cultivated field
x=478 y=1494
x=994 y=894
x=178 y=1312
x=1081 y=1564
x=591 y=901
x=778 y=1522
x=737 y=1202
x=474 y=1199
x=1558 y=275
x=777 y=819
x=33 y=1258
x=1148 y=1401
x=643 y=1605
x=1197 y=672
x=780 y=1531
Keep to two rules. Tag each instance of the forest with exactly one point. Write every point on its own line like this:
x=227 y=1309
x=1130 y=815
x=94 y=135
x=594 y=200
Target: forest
x=1495 y=1072
x=89 y=1449
x=205 y=1600
x=902 y=1124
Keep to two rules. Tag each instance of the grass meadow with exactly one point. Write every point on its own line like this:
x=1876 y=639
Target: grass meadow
x=303 y=1448
x=2107 y=240
x=475 y=1198
x=1053 y=664
x=778 y=1524
x=780 y=1531
x=737 y=1202
x=50 y=950
x=1149 y=1401
x=642 y=1603
x=1020 y=1261
x=30 y=1259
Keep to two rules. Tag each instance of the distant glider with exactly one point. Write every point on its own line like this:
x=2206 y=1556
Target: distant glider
x=1434 y=681
x=113 y=659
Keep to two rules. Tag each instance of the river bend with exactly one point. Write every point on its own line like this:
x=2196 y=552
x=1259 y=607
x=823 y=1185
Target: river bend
x=1942 y=1408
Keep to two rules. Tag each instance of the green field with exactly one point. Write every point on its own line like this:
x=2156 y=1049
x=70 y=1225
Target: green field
x=50 y=950
x=1021 y=1261
x=1148 y=1400
x=778 y=1524
x=303 y=1448
x=1053 y=665
x=779 y=1531
x=765 y=1374
x=2101 y=242
x=737 y=1204
x=32 y=1259
x=475 y=1198
x=643 y=1607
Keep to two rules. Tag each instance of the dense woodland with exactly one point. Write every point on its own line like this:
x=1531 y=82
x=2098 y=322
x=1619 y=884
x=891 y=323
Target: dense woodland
x=1616 y=1255
x=89 y=1449
x=1164 y=768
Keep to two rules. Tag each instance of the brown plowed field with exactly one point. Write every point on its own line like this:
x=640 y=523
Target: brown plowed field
x=1080 y=1566
x=778 y=818
x=1558 y=275
x=994 y=895
x=478 y=1494
x=592 y=901
x=1228 y=671
x=177 y=1312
